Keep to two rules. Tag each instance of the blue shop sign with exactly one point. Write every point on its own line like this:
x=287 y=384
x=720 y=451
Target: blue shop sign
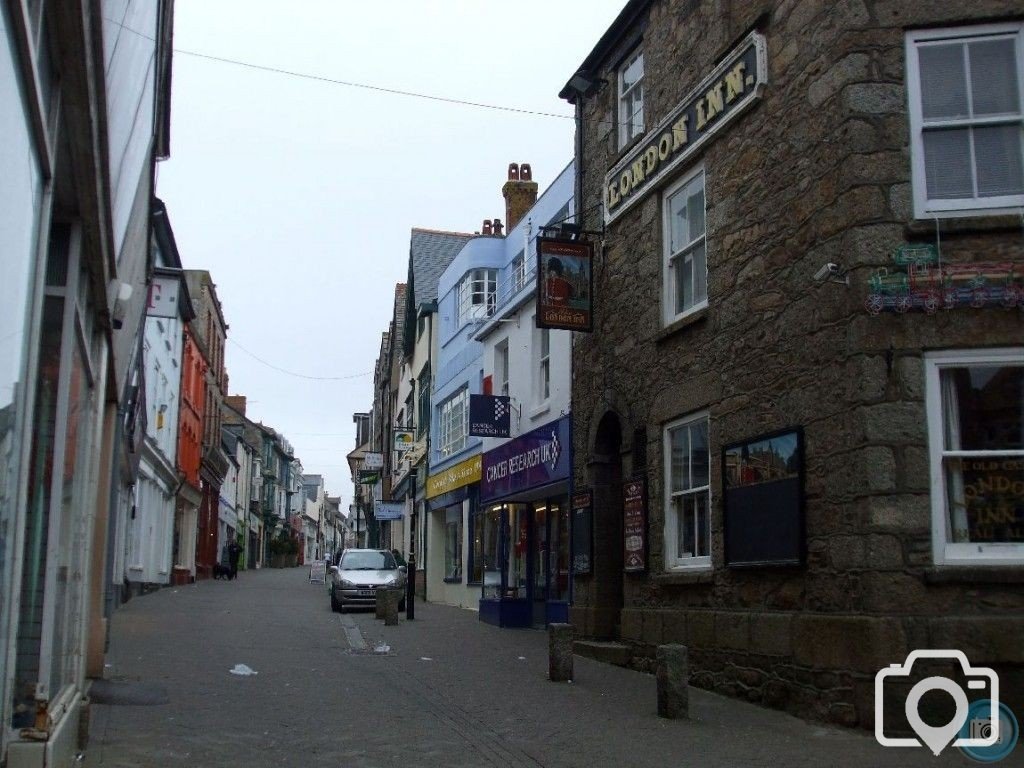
x=538 y=458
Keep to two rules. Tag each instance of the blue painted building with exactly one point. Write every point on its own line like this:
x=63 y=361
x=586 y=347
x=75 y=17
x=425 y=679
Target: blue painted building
x=490 y=270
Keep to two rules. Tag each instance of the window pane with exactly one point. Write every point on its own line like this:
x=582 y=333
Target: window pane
x=679 y=234
x=984 y=499
x=994 y=88
x=947 y=162
x=998 y=155
x=683 y=267
x=686 y=509
x=699 y=462
x=701 y=501
x=695 y=205
x=680 y=440
x=943 y=83
x=633 y=72
x=700 y=273
x=983 y=408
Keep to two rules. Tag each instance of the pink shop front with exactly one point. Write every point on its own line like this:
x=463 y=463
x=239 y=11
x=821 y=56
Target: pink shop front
x=521 y=535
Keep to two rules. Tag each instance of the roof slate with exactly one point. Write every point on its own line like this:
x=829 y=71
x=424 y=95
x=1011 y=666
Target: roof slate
x=431 y=252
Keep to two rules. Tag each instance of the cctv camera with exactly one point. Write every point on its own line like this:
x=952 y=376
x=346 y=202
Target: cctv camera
x=827 y=271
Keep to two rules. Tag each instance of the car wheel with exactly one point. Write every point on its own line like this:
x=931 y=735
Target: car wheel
x=335 y=605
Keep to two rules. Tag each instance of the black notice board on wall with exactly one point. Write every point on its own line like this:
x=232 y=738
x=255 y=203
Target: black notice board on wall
x=763 y=488
x=582 y=532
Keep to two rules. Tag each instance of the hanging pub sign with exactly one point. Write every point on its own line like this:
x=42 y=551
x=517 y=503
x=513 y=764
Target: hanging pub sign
x=404 y=439
x=582 y=532
x=565 y=284
x=373 y=461
x=634 y=528
x=763 y=493
x=727 y=91
x=489 y=415
x=368 y=476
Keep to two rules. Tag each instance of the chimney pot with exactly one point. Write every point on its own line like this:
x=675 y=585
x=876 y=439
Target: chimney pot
x=525 y=174
x=487 y=227
x=513 y=171
x=498 y=226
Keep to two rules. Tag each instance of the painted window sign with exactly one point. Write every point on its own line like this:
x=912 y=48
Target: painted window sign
x=922 y=281
x=732 y=87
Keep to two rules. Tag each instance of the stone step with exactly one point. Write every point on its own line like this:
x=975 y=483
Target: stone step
x=599 y=650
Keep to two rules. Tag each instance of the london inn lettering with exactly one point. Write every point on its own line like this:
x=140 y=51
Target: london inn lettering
x=732 y=87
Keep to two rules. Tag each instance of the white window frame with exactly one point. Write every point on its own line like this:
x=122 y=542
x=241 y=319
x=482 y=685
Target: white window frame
x=944 y=551
x=672 y=560
x=478 y=294
x=518 y=272
x=668 y=299
x=952 y=208
x=544 y=366
x=501 y=366
x=453 y=420
x=631 y=124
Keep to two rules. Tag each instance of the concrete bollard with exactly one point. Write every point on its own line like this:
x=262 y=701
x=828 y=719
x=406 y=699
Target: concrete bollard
x=559 y=652
x=381 y=596
x=673 y=674
x=391 y=600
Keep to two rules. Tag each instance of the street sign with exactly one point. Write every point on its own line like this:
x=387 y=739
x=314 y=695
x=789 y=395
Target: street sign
x=388 y=510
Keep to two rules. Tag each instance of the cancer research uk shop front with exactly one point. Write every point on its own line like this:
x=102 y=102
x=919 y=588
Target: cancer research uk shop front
x=522 y=530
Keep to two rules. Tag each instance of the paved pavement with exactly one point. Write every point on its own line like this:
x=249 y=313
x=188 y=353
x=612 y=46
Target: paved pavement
x=448 y=691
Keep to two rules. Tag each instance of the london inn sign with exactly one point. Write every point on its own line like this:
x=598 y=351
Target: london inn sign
x=731 y=88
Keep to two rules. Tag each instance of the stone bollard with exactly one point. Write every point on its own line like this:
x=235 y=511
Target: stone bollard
x=391 y=600
x=673 y=674
x=559 y=652
x=381 y=596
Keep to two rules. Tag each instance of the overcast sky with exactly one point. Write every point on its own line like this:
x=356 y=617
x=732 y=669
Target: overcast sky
x=298 y=195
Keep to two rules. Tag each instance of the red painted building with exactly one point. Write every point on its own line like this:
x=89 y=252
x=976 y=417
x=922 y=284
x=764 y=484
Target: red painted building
x=190 y=447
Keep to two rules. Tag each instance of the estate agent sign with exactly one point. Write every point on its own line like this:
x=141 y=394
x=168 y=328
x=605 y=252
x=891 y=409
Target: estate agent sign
x=732 y=87
x=456 y=476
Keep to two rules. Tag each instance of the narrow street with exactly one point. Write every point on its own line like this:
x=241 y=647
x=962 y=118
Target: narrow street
x=449 y=691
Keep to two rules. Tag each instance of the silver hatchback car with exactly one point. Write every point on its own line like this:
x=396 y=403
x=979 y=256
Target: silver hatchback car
x=358 y=575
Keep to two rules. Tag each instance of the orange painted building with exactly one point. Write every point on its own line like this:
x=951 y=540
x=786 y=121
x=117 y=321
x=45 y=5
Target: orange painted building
x=190 y=448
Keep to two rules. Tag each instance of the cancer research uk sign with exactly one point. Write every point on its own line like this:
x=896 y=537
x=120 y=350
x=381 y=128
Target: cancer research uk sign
x=536 y=459
x=489 y=415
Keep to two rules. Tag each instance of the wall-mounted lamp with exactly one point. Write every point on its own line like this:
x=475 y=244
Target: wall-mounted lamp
x=832 y=273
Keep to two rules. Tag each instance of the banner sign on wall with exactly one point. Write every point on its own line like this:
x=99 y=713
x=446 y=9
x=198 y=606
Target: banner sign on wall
x=368 y=476
x=388 y=510
x=456 y=476
x=538 y=458
x=565 y=284
x=489 y=415
x=634 y=506
x=373 y=461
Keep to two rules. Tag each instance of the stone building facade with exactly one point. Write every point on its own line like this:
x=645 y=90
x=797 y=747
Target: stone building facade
x=790 y=247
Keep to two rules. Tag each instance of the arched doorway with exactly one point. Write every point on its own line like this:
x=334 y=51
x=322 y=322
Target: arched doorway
x=605 y=470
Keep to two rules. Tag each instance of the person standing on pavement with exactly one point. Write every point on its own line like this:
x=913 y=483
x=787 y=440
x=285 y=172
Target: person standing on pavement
x=398 y=557
x=233 y=553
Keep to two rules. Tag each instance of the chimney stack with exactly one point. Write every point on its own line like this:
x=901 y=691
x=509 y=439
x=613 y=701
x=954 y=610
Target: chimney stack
x=236 y=402
x=520 y=192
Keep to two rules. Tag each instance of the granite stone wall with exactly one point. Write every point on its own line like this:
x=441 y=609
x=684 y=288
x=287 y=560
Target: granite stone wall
x=817 y=171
